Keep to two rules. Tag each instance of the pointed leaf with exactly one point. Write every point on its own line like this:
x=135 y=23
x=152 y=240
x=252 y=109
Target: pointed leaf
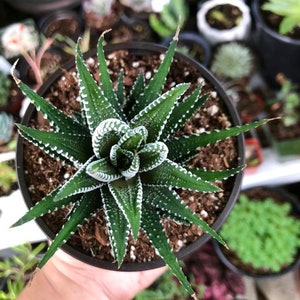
x=105 y=81
x=182 y=112
x=82 y=210
x=137 y=89
x=79 y=183
x=152 y=155
x=120 y=91
x=117 y=224
x=70 y=148
x=155 y=115
x=128 y=195
x=60 y=121
x=103 y=170
x=155 y=86
x=170 y=174
x=44 y=206
x=94 y=105
x=184 y=147
x=215 y=175
x=174 y=208
x=151 y=224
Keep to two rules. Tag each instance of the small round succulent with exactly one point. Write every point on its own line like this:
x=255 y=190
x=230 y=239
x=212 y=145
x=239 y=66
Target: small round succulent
x=127 y=157
x=232 y=60
x=6 y=127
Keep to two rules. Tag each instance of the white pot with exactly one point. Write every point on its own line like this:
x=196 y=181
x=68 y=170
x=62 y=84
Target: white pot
x=213 y=35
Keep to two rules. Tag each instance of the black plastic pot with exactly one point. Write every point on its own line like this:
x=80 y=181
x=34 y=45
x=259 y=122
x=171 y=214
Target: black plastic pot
x=196 y=44
x=136 y=49
x=220 y=250
x=277 y=53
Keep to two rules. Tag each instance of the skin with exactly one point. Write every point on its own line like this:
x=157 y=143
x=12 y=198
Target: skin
x=66 y=278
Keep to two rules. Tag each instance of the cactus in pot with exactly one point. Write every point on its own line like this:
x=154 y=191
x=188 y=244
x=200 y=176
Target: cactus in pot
x=126 y=157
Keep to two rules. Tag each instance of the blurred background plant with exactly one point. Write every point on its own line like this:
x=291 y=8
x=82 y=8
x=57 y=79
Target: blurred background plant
x=166 y=22
x=289 y=10
x=17 y=269
x=8 y=176
x=6 y=127
x=267 y=235
x=5 y=83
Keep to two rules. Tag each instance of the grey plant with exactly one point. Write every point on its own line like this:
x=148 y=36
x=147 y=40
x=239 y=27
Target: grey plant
x=6 y=127
x=131 y=163
x=233 y=61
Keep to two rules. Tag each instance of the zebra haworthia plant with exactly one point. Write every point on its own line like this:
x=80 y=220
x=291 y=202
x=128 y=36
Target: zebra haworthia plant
x=126 y=156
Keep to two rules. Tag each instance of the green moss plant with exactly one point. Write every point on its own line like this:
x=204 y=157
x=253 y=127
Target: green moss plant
x=7 y=176
x=126 y=156
x=262 y=233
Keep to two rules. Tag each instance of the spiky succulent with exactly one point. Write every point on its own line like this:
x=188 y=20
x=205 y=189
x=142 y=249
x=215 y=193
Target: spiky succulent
x=126 y=156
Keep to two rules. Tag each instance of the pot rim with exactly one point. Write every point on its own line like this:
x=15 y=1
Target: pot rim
x=137 y=48
x=218 y=248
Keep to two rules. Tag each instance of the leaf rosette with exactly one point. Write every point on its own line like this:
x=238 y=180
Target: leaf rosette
x=127 y=157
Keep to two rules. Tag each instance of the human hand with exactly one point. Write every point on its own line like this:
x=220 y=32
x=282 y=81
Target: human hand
x=66 y=278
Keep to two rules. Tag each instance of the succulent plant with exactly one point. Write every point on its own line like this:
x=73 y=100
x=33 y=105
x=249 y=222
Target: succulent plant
x=8 y=176
x=4 y=88
x=232 y=60
x=6 y=127
x=167 y=22
x=126 y=156
x=288 y=9
x=101 y=8
x=270 y=238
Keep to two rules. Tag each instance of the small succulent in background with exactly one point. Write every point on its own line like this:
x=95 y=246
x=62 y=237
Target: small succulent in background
x=5 y=83
x=18 y=269
x=233 y=61
x=6 y=127
x=288 y=98
x=166 y=23
x=131 y=163
x=270 y=238
x=8 y=176
x=99 y=7
x=288 y=9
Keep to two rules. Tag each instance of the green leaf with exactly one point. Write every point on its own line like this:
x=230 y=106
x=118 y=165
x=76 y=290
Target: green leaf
x=105 y=81
x=151 y=224
x=158 y=26
x=44 y=206
x=182 y=148
x=103 y=170
x=128 y=195
x=155 y=86
x=117 y=224
x=106 y=134
x=94 y=105
x=174 y=208
x=137 y=89
x=120 y=91
x=132 y=139
x=60 y=121
x=79 y=183
x=82 y=210
x=182 y=112
x=152 y=155
x=70 y=148
x=170 y=174
x=155 y=115
x=215 y=175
